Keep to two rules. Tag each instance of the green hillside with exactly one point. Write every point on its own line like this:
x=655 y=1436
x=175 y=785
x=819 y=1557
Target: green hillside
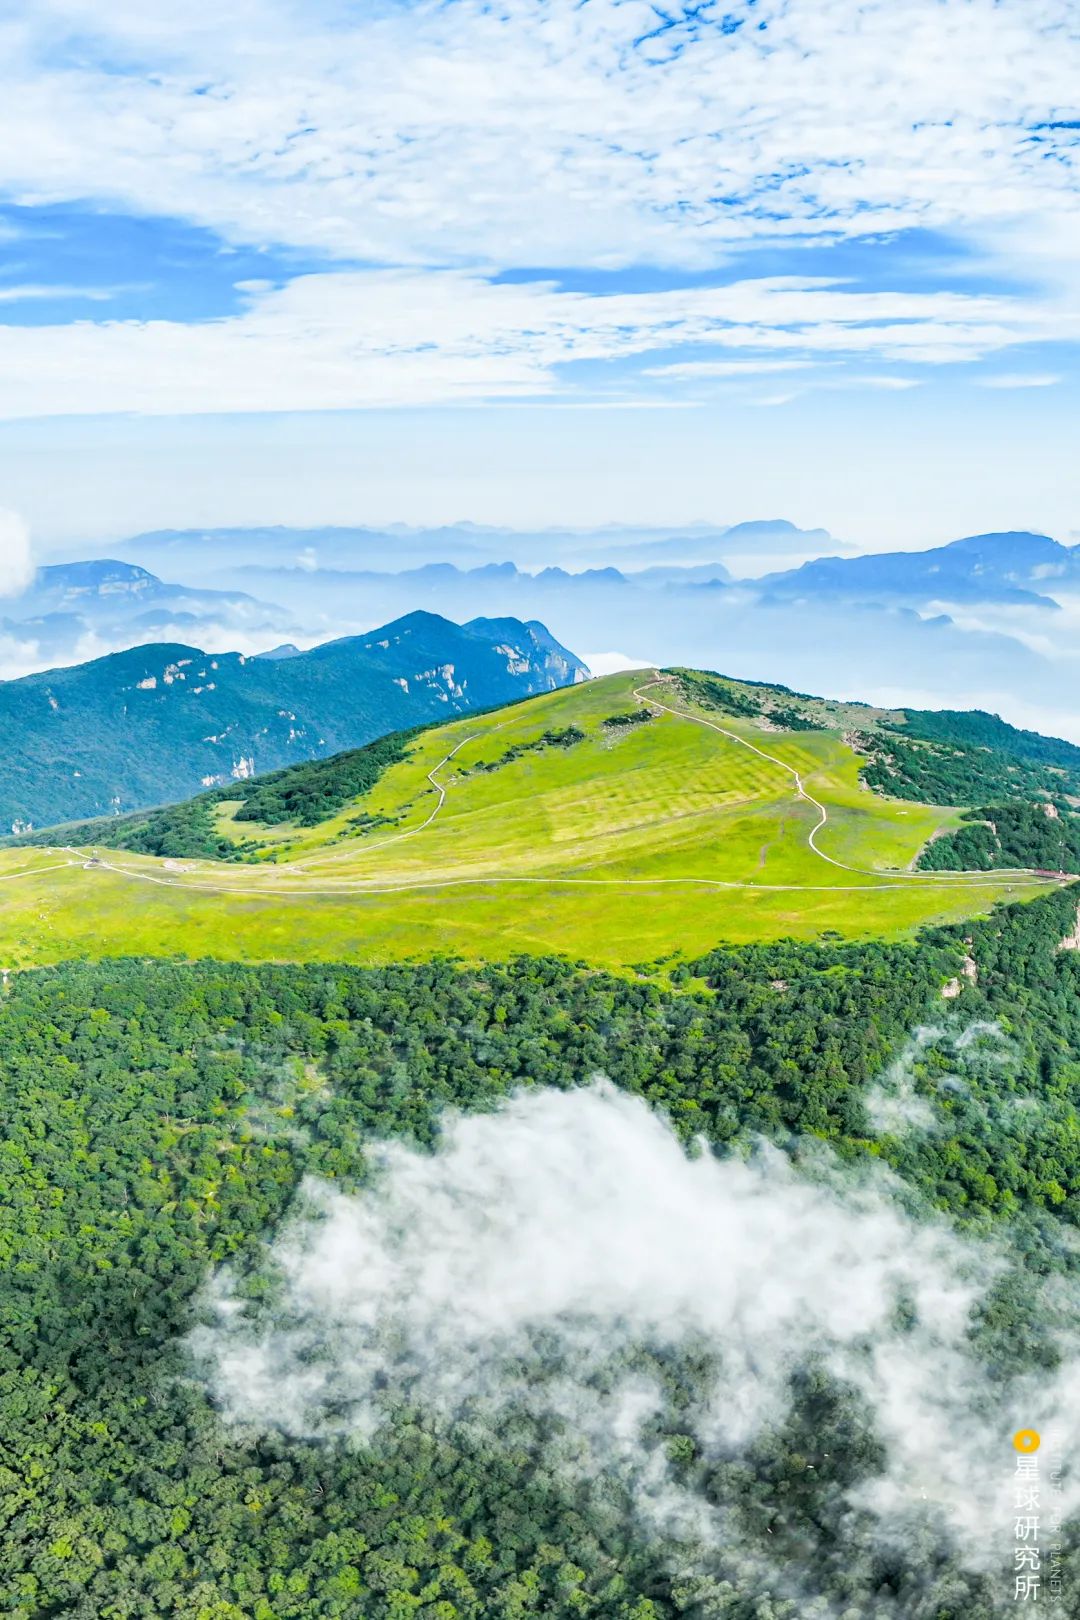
x=938 y=756
x=505 y=831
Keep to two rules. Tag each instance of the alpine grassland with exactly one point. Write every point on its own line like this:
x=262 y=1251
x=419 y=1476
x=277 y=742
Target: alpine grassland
x=617 y=822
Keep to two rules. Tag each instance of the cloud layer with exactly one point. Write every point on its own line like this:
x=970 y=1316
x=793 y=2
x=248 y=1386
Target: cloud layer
x=16 y=558
x=533 y=134
x=382 y=338
x=519 y=1268
x=437 y=145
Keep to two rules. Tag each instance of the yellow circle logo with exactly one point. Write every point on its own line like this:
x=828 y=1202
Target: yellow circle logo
x=1027 y=1440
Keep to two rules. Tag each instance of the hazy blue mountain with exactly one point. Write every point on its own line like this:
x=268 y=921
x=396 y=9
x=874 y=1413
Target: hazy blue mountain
x=699 y=543
x=46 y=638
x=674 y=616
x=158 y=722
x=1015 y=567
x=653 y=594
x=770 y=533
x=285 y=649
x=103 y=594
x=202 y=554
x=586 y=576
x=442 y=576
x=697 y=574
x=592 y=599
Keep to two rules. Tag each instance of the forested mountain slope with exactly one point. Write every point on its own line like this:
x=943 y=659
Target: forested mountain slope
x=154 y=723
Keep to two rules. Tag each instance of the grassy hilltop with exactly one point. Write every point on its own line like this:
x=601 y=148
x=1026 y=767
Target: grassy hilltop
x=566 y=822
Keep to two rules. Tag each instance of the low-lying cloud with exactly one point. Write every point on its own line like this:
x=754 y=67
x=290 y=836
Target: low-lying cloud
x=895 y=1105
x=530 y=1264
x=16 y=556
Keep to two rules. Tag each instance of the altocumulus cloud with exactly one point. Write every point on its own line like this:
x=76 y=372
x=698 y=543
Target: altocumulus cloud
x=445 y=142
x=531 y=133
x=519 y=1267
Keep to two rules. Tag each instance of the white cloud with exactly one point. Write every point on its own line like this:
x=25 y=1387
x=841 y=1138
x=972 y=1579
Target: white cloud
x=16 y=556
x=610 y=663
x=18 y=657
x=536 y=134
x=1020 y=379
x=889 y=384
x=374 y=338
x=724 y=368
x=35 y=291
x=471 y=138
x=575 y=1221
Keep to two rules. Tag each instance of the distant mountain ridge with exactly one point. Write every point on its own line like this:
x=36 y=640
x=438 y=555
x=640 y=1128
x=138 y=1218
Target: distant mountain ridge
x=368 y=546
x=1009 y=566
x=104 y=585
x=640 y=593
x=114 y=601
x=443 y=575
x=158 y=722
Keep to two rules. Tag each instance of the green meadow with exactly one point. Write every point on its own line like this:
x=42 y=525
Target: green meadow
x=632 y=843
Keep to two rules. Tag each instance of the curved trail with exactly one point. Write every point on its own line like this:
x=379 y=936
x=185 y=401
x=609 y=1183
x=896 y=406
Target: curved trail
x=332 y=857
x=344 y=886
x=33 y=871
x=823 y=814
x=395 y=838
x=800 y=790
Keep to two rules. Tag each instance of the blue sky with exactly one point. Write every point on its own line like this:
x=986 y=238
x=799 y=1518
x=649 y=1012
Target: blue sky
x=534 y=263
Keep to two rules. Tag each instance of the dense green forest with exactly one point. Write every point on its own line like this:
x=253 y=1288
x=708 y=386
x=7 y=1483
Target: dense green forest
x=312 y=792
x=975 y=728
x=1044 y=835
x=938 y=772
x=180 y=831
x=156 y=1118
x=956 y=757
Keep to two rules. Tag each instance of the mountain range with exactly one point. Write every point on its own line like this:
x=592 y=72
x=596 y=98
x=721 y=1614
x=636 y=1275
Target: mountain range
x=624 y=545
x=1013 y=566
x=976 y=619
x=156 y=722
